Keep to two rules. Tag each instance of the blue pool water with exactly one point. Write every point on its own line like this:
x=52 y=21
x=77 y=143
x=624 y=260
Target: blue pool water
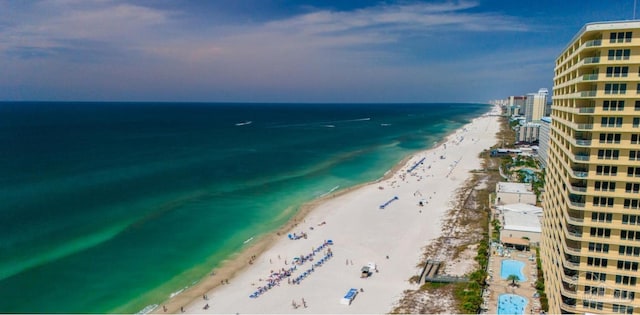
x=511 y=304
x=512 y=267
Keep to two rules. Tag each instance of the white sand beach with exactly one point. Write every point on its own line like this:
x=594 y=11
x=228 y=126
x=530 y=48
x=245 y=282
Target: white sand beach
x=361 y=233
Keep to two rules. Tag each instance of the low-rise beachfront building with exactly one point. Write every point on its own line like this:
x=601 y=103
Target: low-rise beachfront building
x=508 y=193
x=590 y=248
x=528 y=133
x=520 y=223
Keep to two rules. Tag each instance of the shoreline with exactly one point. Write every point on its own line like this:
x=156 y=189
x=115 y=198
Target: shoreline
x=260 y=245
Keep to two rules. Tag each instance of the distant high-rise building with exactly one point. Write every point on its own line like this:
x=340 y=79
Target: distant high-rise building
x=590 y=246
x=535 y=105
x=543 y=140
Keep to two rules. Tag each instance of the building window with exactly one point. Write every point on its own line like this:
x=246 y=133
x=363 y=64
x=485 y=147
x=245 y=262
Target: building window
x=634 y=139
x=600 y=232
x=608 y=154
x=609 y=138
x=596 y=276
x=611 y=122
x=637 y=106
x=632 y=188
x=633 y=171
x=629 y=235
x=622 y=309
x=601 y=217
x=603 y=201
x=626 y=280
x=612 y=105
x=631 y=203
x=636 y=122
x=606 y=170
x=615 y=88
x=605 y=186
x=594 y=290
x=627 y=265
x=624 y=294
x=617 y=72
x=629 y=250
x=630 y=219
x=592 y=304
x=619 y=54
x=599 y=248
x=620 y=37
x=634 y=155
x=598 y=262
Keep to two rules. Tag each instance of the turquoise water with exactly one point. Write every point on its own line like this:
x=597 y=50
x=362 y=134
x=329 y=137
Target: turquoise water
x=511 y=304
x=512 y=267
x=110 y=207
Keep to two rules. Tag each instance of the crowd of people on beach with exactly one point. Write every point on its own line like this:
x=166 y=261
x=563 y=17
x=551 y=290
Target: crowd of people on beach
x=276 y=276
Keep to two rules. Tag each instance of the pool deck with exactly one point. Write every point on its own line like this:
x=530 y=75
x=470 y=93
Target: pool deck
x=497 y=286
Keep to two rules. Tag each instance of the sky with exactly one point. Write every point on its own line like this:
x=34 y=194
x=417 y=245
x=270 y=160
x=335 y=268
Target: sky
x=287 y=50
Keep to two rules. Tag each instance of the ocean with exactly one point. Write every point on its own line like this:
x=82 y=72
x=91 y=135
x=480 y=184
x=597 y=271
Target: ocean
x=112 y=207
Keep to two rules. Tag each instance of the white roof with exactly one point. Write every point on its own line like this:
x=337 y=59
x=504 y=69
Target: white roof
x=521 y=207
x=521 y=217
x=507 y=187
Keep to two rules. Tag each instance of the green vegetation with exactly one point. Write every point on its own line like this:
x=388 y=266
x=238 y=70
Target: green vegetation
x=544 y=302
x=513 y=279
x=470 y=294
x=495 y=231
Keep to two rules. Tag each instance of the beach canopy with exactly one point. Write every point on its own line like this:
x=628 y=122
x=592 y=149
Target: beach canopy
x=514 y=241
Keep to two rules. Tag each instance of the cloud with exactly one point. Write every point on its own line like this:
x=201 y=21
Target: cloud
x=133 y=51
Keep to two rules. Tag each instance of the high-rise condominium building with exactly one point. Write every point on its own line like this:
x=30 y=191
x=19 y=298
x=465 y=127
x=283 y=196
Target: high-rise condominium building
x=591 y=224
x=535 y=104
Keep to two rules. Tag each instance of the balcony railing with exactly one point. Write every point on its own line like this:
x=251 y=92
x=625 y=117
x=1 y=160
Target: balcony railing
x=585 y=142
x=590 y=60
x=593 y=43
x=588 y=93
x=575 y=233
x=587 y=110
x=580 y=174
x=579 y=188
x=582 y=157
x=577 y=204
x=590 y=77
x=584 y=126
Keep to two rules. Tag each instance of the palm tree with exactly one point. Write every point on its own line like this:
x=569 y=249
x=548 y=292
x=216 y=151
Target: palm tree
x=513 y=279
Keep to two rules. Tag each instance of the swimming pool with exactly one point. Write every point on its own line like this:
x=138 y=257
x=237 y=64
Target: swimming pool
x=511 y=304
x=512 y=267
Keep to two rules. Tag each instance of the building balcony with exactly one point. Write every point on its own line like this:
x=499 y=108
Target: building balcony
x=586 y=110
x=583 y=126
x=583 y=142
x=581 y=157
x=577 y=204
x=571 y=250
x=593 y=43
x=567 y=308
x=588 y=93
x=580 y=174
x=575 y=220
x=572 y=234
x=579 y=189
x=570 y=261
x=590 y=77
x=591 y=60
x=568 y=292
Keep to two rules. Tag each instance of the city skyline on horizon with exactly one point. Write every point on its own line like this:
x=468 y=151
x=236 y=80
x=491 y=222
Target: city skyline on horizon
x=286 y=51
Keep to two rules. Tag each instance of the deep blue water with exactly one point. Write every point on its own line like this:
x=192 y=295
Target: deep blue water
x=109 y=207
